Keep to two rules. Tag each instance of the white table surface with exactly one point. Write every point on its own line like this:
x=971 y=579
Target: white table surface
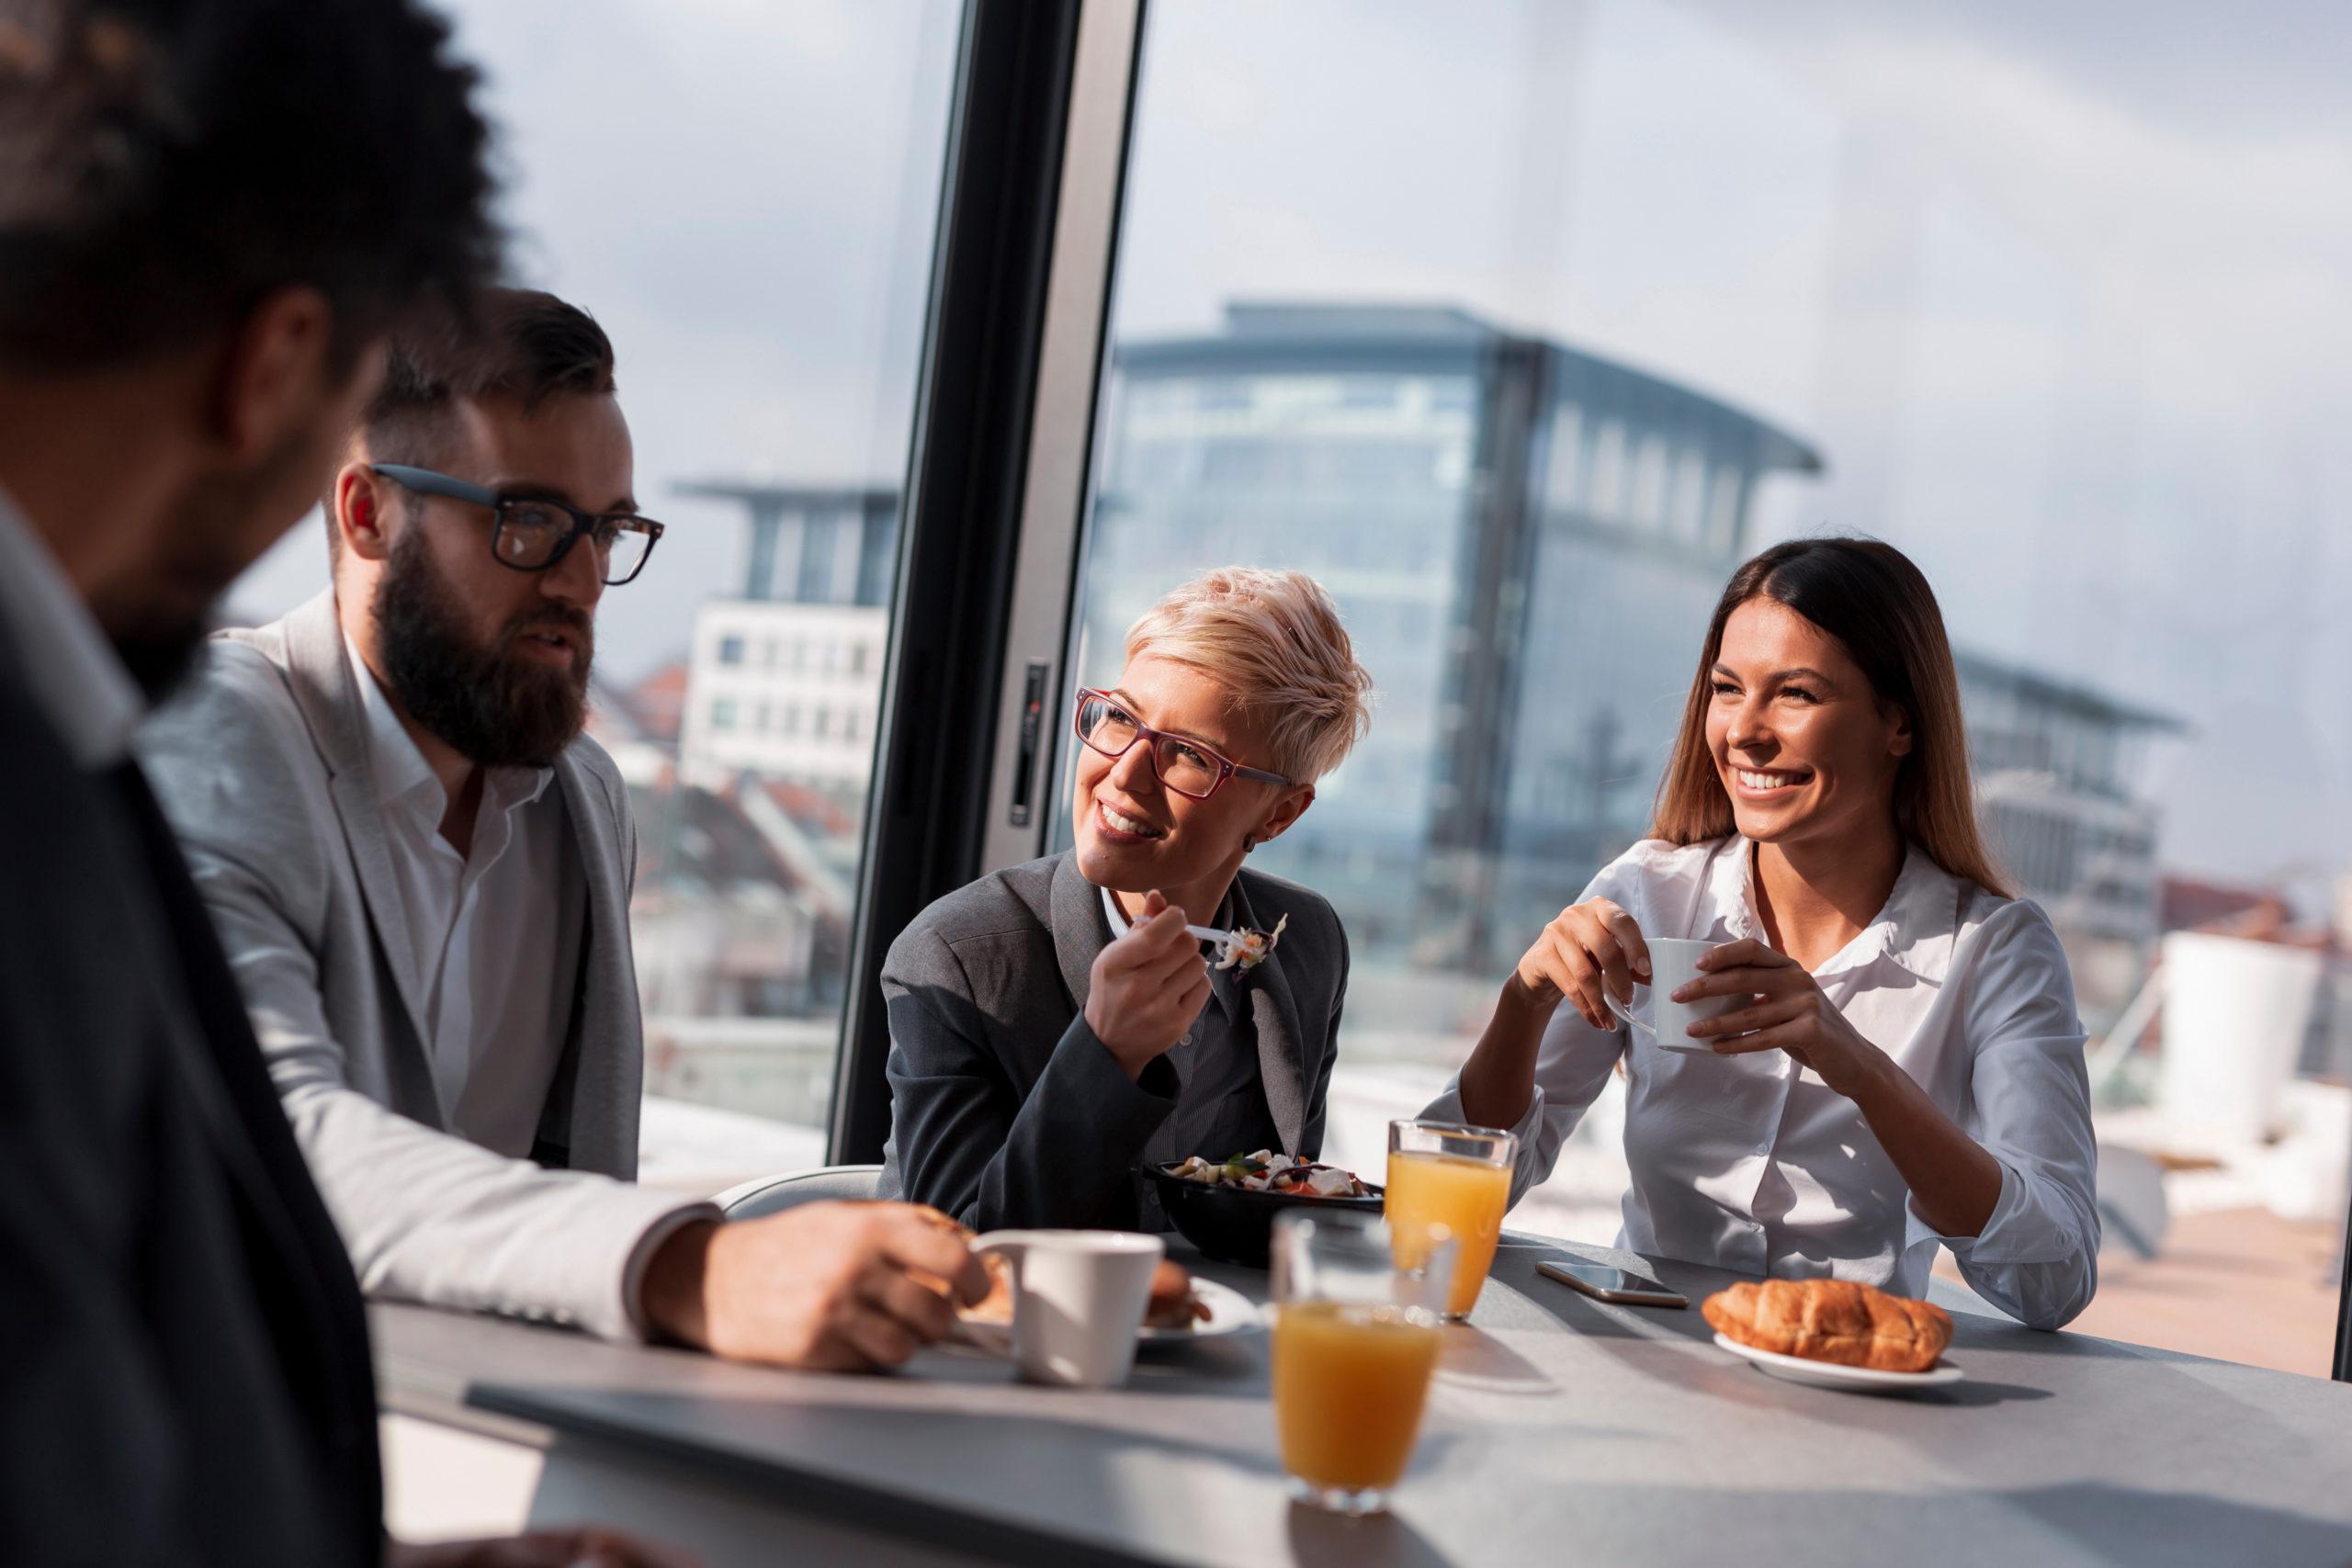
x=1560 y=1430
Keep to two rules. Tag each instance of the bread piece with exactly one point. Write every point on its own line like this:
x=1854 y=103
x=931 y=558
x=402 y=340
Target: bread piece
x=1832 y=1320
x=1172 y=1303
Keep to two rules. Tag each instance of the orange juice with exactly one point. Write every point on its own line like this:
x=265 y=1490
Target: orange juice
x=1466 y=1196
x=1350 y=1382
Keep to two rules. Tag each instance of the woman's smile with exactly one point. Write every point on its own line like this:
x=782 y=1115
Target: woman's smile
x=1123 y=828
x=1768 y=784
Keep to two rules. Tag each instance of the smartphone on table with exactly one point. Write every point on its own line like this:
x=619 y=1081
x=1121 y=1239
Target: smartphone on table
x=1606 y=1283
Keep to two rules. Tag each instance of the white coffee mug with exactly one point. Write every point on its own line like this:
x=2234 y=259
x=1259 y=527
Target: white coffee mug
x=1077 y=1299
x=1674 y=961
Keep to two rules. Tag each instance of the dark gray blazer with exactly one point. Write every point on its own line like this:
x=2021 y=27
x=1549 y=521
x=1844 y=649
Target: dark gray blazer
x=1007 y=1111
x=188 y=1378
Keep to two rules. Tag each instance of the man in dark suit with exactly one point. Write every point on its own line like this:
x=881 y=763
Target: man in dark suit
x=210 y=212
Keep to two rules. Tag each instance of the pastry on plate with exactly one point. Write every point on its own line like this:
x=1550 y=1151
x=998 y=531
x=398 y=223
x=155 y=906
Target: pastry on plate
x=1832 y=1320
x=1172 y=1303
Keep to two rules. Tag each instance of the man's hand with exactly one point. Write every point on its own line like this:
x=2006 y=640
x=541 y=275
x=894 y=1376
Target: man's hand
x=1146 y=987
x=591 y=1548
x=825 y=1286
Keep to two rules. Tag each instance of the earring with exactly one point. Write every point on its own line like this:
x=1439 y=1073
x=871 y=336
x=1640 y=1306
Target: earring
x=1249 y=842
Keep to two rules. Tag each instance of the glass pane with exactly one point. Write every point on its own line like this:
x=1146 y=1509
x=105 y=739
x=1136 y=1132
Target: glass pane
x=754 y=233
x=1521 y=323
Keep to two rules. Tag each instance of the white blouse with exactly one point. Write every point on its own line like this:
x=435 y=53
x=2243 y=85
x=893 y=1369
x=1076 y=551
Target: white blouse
x=1751 y=1163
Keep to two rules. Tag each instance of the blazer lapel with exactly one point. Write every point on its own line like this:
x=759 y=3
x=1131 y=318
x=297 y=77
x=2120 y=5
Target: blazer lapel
x=322 y=681
x=591 y=1109
x=1280 y=1067
x=1081 y=929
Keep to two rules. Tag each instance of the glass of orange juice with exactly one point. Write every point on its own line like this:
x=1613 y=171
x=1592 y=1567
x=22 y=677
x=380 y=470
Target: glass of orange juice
x=1443 y=1173
x=1355 y=1340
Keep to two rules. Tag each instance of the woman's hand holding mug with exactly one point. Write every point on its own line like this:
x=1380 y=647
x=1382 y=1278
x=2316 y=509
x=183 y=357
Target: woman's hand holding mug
x=1786 y=1011
x=1593 y=951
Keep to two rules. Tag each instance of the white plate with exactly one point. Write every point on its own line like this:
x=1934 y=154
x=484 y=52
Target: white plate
x=1230 y=1311
x=1829 y=1374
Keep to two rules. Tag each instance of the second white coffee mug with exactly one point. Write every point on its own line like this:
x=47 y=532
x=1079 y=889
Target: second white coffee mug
x=1077 y=1299
x=1674 y=961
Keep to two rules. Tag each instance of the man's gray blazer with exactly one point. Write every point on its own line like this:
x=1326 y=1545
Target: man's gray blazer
x=1005 y=1110
x=262 y=766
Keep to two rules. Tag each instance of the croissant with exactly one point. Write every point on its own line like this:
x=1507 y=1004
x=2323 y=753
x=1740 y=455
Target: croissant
x=1832 y=1320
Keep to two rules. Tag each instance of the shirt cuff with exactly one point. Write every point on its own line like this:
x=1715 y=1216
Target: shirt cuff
x=640 y=1259
x=2002 y=1231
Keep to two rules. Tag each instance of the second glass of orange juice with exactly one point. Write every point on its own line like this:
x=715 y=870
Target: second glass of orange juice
x=1443 y=1173
x=1356 y=1338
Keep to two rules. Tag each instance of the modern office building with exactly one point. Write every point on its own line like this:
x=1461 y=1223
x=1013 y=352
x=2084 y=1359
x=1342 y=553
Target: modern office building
x=785 y=677
x=1526 y=541
x=2058 y=788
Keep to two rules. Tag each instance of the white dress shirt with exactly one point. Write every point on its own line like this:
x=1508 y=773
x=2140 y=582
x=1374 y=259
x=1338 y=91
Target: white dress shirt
x=1754 y=1163
x=496 y=954
x=69 y=667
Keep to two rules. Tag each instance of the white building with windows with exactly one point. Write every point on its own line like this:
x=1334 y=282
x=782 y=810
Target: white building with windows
x=790 y=691
x=785 y=680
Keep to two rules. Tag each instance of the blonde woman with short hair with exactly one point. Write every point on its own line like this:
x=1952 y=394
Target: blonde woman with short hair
x=1053 y=1026
x=1904 y=1066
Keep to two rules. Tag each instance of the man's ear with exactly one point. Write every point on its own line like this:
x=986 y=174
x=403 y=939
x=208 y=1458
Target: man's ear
x=274 y=370
x=366 y=507
x=1289 y=809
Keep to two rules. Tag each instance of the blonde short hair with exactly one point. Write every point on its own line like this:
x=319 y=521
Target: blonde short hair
x=1273 y=640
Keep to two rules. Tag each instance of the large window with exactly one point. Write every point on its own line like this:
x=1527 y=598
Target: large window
x=1521 y=322
x=744 y=197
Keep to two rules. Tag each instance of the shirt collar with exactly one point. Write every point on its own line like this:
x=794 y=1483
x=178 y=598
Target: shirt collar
x=1121 y=925
x=1915 y=927
x=1220 y=979
x=73 y=671
x=401 y=772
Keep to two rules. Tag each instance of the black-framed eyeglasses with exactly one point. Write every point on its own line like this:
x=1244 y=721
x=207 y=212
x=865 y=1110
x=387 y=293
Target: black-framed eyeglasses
x=533 y=533
x=1189 y=768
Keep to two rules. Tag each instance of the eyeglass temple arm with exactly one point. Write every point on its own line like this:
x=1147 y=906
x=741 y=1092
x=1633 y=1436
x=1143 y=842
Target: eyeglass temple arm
x=425 y=481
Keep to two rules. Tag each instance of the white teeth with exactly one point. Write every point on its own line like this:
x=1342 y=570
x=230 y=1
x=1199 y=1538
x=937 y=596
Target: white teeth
x=1763 y=781
x=1128 y=824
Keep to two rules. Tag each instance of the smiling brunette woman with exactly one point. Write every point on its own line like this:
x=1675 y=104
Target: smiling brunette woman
x=1908 y=1067
x=1053 y=1026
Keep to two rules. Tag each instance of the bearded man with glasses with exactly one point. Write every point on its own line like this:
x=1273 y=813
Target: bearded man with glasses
x=422 y=868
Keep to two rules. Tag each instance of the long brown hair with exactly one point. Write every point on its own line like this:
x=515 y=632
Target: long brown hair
x=1868 y=595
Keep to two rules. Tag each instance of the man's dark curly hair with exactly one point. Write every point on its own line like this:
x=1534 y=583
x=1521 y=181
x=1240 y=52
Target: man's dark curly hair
x=166 y=165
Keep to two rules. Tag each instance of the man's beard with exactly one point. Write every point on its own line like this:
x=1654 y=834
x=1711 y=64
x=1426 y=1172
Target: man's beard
x=495 y=709
x=159 y=620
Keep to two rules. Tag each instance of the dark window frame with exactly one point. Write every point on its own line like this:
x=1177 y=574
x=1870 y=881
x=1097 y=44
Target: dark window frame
x=966 y=585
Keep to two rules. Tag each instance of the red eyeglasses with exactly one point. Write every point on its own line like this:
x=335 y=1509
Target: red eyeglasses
x=1189 y=768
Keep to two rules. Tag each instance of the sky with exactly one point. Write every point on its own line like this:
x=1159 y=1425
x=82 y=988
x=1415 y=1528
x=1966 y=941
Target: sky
x=742 y=193
x=2060 y=291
